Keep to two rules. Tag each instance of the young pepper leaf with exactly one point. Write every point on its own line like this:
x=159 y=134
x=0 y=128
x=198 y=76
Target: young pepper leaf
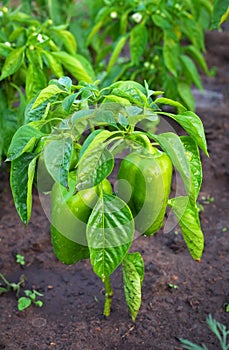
x=187 y=215
x=45 y=94
x=110 y=231
x=133 y=273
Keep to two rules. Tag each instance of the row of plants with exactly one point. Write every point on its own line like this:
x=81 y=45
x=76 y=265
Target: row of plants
x=161 y=42
x=66 y=134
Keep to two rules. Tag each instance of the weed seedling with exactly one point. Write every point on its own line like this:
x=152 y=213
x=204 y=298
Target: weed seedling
x=217 y=328
x=172 y=286
x=25 y=301
x=15 y=287
x=20 y=259
x=29 y=299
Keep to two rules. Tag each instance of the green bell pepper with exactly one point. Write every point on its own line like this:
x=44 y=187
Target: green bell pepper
x=69 y=215
x=144 y=184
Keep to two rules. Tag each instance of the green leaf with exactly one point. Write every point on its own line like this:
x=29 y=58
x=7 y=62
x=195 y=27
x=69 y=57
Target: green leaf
x=23 y=141
x=168 y=101
x=88 y=141
x=110 y=232
x=68 y=102
x=187 y=215
x=190 y=68
x=198 y=57
x=136 y=260
x=24 y=303
x=66 y=82
x=193 y=155
x=36 y=114
x=77 y=65
x=53 y=64
x=95 y=163
x=116 y=51
x=35 y=81
x=171 y=53
x=185 y=93
x=186 y=344
x=219 y=9
x=57 y=157
x=172 y=145
x=20 y=182
x=94 y=140
x=31 y=173
x=67 y=39
x=45 y=94
x=193 y=125
x=138 y=42
x=12 y=62
x=133 y=271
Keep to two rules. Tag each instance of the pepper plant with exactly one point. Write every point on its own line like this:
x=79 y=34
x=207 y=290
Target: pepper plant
x=159 y=41
x=68 y=147
x=32 y=51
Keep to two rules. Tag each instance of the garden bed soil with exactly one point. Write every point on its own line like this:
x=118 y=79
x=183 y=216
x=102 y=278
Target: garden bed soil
x=71 y=317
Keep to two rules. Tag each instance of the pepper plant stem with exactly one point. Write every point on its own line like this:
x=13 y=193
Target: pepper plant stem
x=108 y=296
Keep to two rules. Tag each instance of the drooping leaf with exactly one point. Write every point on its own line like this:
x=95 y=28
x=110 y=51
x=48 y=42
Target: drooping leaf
x=172 y=145
x=77 y=65
x=138 y=42
x=23 y=141
x=117 y=50
x=132 y=280
x=20 y=182
x=170 y=53
x=190 y=67
x=193 y=125
x=35 y=81
x=110 y=232
x=136 y=260
x=31 y=173
x=67 y=38
x=53 y=64
x=12 y=62
x=187 y=215
x=184 y=91
x=198 y=57
x=193 y=155
x=57 y=157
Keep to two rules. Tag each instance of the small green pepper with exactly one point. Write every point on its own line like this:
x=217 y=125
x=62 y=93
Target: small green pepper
x=144 y=184
x=69 y=215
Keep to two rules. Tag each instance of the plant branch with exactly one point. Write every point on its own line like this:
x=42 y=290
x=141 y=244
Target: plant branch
x=108 y=296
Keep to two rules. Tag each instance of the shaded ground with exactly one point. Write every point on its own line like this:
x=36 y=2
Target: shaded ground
x=71 y=317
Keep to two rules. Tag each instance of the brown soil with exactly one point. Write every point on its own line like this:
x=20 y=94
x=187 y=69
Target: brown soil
x=71 y=317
